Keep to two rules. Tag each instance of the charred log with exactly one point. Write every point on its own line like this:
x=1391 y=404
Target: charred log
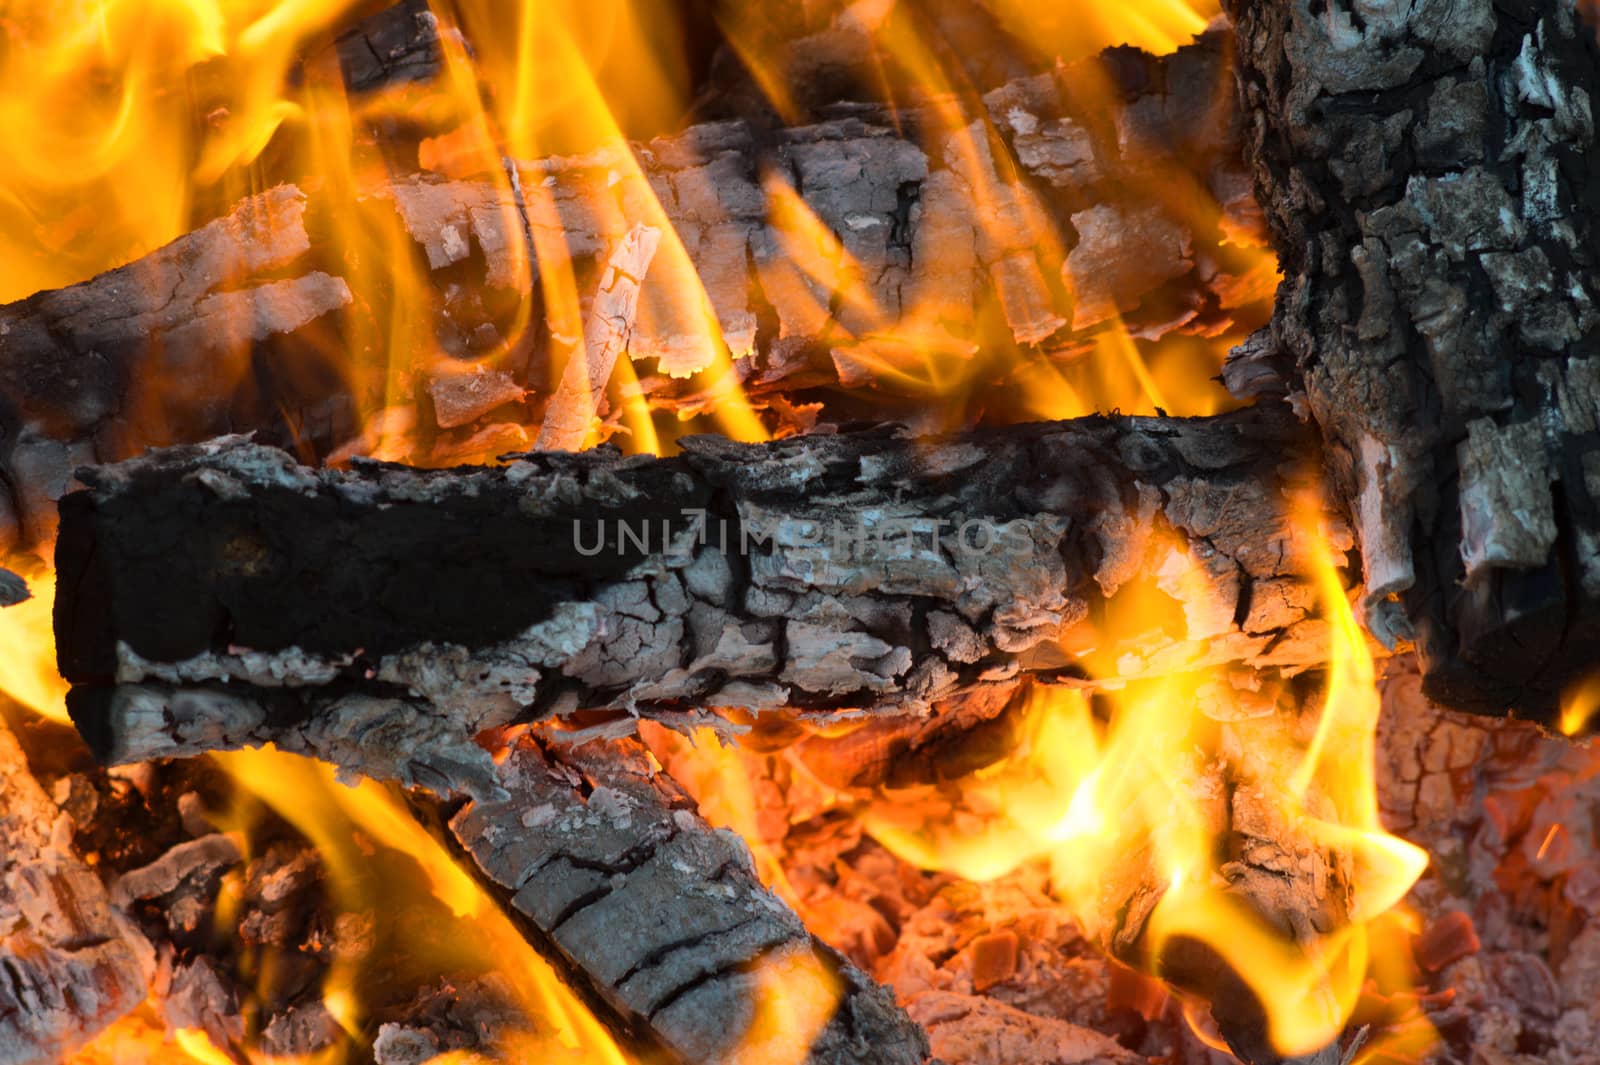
x=1428 y=175
x=396 y=45
x=662 y=917
x=219 y=595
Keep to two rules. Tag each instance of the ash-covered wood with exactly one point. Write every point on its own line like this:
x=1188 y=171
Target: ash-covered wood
x=1427 y=170
x=231 y=328
x=663 y=917
x=219 y=595
x=72 y=962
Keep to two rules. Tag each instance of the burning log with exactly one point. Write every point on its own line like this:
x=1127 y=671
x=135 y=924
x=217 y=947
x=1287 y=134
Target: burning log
x=860 y=570
x=73 y=962
x=1425 y=171
x=396 y=45
x=663 y=917
x=228 y=327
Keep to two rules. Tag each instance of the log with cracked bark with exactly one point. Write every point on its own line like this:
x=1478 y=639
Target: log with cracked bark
x=218 y=595
x=73 y=962
x=662 y=917
x=1427 y=171
x=229 y=327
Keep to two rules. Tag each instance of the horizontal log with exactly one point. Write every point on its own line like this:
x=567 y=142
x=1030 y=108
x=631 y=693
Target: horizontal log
x=72 y=962
x=662 y=918
x=229 y=328
x=802 y=574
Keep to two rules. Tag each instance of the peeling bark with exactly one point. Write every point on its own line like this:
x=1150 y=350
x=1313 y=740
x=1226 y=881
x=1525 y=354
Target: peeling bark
x=862 y=571
x=1427 y=172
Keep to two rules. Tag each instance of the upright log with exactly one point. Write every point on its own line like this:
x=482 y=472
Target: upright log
x=1428 y=173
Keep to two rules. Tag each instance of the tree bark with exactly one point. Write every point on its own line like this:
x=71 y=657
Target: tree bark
x=802 y=574
x=73 y=963
x=662 y=918
x=230 y=328
x=1427 y=171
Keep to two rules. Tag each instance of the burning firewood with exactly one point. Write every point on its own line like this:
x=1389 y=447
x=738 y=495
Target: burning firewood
x=873 y=223
x=663 y=917
x=1425 y=171
x=802 y=574
x=569 y=417
x=73 y=962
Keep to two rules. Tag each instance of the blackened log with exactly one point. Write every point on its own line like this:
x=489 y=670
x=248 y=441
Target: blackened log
x=229 y=328
x=661 y=917
x=394 y=46
x=73 y=963
x=1428 y=173
x=801 y=574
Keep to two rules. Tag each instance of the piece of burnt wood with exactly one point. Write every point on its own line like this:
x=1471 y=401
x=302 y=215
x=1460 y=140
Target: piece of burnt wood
x=73 y=963
x=662 y=918
x=802 y=574
x=230 y=328
x=1428 y=173
x=391 y=47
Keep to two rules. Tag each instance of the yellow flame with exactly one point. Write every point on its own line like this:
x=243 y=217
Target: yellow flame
x=796 y=995
x=28 y=666
x=338 y=819
x=1579 y=704
x=1136 y=803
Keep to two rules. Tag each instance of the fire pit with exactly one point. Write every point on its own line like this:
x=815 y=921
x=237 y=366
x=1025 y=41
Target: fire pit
x=902 y=531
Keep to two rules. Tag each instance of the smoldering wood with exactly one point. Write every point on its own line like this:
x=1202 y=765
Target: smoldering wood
x=222 y=331
x=73 y=962
x=1427 y=174
x=220 y=594
x=663 y=918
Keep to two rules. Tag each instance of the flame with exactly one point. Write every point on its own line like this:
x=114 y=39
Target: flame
x=344 y=822
x=1141 y=796
x=118 y=113
x=27 y=668
x=1579 y=704
x=158 y=114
